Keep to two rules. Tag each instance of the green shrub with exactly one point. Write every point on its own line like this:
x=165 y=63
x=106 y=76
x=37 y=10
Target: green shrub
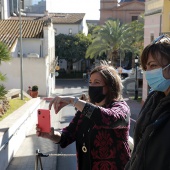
x=35 y=88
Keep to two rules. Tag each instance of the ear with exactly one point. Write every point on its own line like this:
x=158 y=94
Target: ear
x=166 y=73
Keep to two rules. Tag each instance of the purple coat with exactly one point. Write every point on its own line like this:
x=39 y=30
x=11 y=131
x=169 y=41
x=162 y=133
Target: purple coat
x=104 y=133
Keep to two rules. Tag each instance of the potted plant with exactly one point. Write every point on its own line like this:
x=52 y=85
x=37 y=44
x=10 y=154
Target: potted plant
x=34 y=91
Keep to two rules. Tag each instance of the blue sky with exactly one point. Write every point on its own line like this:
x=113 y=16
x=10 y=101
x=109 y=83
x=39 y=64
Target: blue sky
x=90 y=7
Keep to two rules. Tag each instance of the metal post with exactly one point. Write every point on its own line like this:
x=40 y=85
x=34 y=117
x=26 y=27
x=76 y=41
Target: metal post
x=136 y=78
x=21 y=55
x=38 y=159
x=120 y=58
x=120 y=64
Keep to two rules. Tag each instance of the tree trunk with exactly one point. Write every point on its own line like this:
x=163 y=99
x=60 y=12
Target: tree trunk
x=114 y=58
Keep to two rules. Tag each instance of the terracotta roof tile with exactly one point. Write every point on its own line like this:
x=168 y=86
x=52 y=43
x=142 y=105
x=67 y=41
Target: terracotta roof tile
x=10 y=30
x=57 y=18
x=69 y=18
x=32 y=27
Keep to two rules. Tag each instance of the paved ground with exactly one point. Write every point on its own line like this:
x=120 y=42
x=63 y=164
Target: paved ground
x=25 y=158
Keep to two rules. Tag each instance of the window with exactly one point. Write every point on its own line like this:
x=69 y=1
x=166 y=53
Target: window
x=134 y=18
x=70 y=31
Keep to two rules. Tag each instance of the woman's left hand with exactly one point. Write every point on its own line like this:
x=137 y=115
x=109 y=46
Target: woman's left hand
x=59 y=102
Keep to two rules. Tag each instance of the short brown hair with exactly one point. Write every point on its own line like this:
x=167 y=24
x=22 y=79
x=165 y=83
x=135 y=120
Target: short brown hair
x=157 y=49
x=112 y=80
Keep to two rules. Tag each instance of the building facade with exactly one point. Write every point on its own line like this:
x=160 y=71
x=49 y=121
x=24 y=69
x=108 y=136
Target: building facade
x=125 y=10
x=38 y=55
x=43 y=47
x=157 y=21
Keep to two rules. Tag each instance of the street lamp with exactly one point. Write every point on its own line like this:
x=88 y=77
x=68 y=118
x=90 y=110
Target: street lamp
x=136 y=78
x=21 y=52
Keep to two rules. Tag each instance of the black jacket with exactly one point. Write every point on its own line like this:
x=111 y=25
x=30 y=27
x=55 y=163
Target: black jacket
x=152 y=135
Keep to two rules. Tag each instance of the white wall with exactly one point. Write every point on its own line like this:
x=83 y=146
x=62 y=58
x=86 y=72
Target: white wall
x=84 y=26
x=17 y=125
x=32 y=45
x=15 y=49
x=64 y=28
x=29 y=45
x=49 y=50
x=34 y=73
x=76 y=28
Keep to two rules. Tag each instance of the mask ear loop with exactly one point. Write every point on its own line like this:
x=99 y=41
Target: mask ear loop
x=166 y=67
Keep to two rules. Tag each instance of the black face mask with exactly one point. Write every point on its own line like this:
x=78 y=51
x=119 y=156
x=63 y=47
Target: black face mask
x=96 y=94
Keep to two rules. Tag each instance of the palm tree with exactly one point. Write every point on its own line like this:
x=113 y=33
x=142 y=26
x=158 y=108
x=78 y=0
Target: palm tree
x=136 y=31
x=110 y=39
x=4 y=56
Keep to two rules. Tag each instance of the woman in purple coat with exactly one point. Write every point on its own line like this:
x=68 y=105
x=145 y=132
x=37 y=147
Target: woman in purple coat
x=100 y=126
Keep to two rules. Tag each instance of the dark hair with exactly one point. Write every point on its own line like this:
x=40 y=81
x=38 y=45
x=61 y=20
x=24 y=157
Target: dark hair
x=112 y=80
x=160 y=52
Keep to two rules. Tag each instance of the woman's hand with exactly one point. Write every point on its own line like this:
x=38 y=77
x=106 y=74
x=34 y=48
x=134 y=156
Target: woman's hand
x=59 y=102
x=54 y=137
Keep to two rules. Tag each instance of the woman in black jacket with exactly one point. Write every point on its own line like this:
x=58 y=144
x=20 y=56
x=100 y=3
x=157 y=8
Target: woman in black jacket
x=100 y=127
x=152 y=132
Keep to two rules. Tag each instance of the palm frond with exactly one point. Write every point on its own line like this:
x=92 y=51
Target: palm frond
x=4 y=52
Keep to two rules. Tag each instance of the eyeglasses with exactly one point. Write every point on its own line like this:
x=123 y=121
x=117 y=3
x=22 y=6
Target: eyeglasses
x=158 y=39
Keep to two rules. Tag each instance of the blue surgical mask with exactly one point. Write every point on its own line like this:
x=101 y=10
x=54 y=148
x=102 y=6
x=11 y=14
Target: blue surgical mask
x=156 y=79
